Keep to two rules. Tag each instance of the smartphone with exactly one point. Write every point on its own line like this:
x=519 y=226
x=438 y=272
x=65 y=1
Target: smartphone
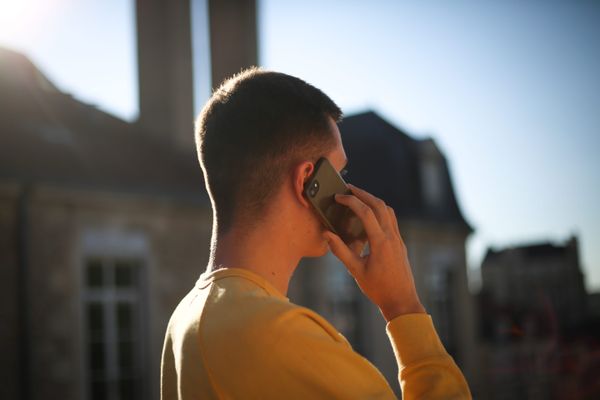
x=320 y=189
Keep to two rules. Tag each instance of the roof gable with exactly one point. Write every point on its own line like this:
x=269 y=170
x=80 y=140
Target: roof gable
x=389 y=163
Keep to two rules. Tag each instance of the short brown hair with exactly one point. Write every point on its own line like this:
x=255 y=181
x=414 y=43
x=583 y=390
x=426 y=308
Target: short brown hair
x=249 y=134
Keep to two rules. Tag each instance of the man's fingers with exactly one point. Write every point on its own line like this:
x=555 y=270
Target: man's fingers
x=377 y=205
x=357 y=247
x=394 y=220
x=341 y=251
x=364 y=213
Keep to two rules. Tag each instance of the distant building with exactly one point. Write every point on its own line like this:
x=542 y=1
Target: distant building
x=539 y=287
x=413 y=177
x=537 y=339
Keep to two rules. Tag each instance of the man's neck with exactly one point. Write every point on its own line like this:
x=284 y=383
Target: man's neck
x=263 y=250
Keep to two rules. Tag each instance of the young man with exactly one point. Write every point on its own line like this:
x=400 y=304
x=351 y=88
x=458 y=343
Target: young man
x=236 y=335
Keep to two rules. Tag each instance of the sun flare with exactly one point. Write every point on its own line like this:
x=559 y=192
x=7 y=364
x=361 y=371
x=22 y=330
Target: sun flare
x=23 y=17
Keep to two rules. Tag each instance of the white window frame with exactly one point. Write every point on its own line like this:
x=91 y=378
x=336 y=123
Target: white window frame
x=109 y=246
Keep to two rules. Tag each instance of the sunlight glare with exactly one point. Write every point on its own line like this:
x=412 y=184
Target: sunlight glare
x=23 y=17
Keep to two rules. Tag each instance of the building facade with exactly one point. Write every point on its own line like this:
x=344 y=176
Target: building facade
x=537 y=338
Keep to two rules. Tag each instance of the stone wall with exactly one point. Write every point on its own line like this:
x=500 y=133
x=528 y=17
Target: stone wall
x=9 y=319
x=177 y=237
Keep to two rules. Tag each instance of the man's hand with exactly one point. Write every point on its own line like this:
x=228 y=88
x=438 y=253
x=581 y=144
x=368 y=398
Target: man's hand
x=384 y=275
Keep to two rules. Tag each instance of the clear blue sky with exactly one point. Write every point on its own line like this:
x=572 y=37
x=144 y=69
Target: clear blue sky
x=509 y=90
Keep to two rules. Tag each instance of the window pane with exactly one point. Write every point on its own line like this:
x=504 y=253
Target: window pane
x=126 y=356
x=126 y=273
x=94 y=273
x=95 y=321
x=98 y=389
x=97 y=363
x=127 y=388
x=124 y=320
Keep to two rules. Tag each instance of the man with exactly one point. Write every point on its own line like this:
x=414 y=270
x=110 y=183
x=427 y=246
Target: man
x=236 y=335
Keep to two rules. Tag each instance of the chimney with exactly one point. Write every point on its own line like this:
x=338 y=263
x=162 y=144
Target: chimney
x=165 y=70
x=233 y=42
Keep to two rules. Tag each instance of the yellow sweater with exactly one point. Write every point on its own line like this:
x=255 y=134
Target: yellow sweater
x=234 y=336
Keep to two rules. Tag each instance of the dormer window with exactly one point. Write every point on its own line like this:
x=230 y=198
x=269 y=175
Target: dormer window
x=432 y=182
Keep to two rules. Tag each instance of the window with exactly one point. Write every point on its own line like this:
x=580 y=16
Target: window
x=432 y=180
x=343 y=307
x=441 y=305
x=113 y=327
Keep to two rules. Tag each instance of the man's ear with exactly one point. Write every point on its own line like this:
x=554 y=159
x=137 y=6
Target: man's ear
x=301 y=173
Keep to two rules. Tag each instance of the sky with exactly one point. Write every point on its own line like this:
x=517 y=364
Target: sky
x=509 y=90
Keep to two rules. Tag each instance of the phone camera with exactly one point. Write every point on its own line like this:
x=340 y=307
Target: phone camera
x=314 y=188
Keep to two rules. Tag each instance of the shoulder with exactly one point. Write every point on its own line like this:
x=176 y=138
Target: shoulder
x=254 y=318
x=238 y=306
x=249 y=324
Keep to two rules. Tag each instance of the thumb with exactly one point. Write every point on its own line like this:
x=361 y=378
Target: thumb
x=341 y=251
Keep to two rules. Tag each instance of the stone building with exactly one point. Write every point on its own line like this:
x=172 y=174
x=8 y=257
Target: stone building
x=538 y=340
x=413 y=177
x=102 y=228
x=535 y=280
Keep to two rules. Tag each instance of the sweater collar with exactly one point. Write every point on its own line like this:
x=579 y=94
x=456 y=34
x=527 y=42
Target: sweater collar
x=208 y=277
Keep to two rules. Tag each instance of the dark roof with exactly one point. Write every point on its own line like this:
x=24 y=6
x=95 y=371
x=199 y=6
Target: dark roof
x=387 y=162
x=540 y=250
x=48 y=136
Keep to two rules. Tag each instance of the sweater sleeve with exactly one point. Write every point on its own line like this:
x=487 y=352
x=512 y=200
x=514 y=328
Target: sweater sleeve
x=426 y=371
x=310 y=359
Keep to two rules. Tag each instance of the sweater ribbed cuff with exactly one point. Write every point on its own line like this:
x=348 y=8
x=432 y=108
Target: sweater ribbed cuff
x=414 y=338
